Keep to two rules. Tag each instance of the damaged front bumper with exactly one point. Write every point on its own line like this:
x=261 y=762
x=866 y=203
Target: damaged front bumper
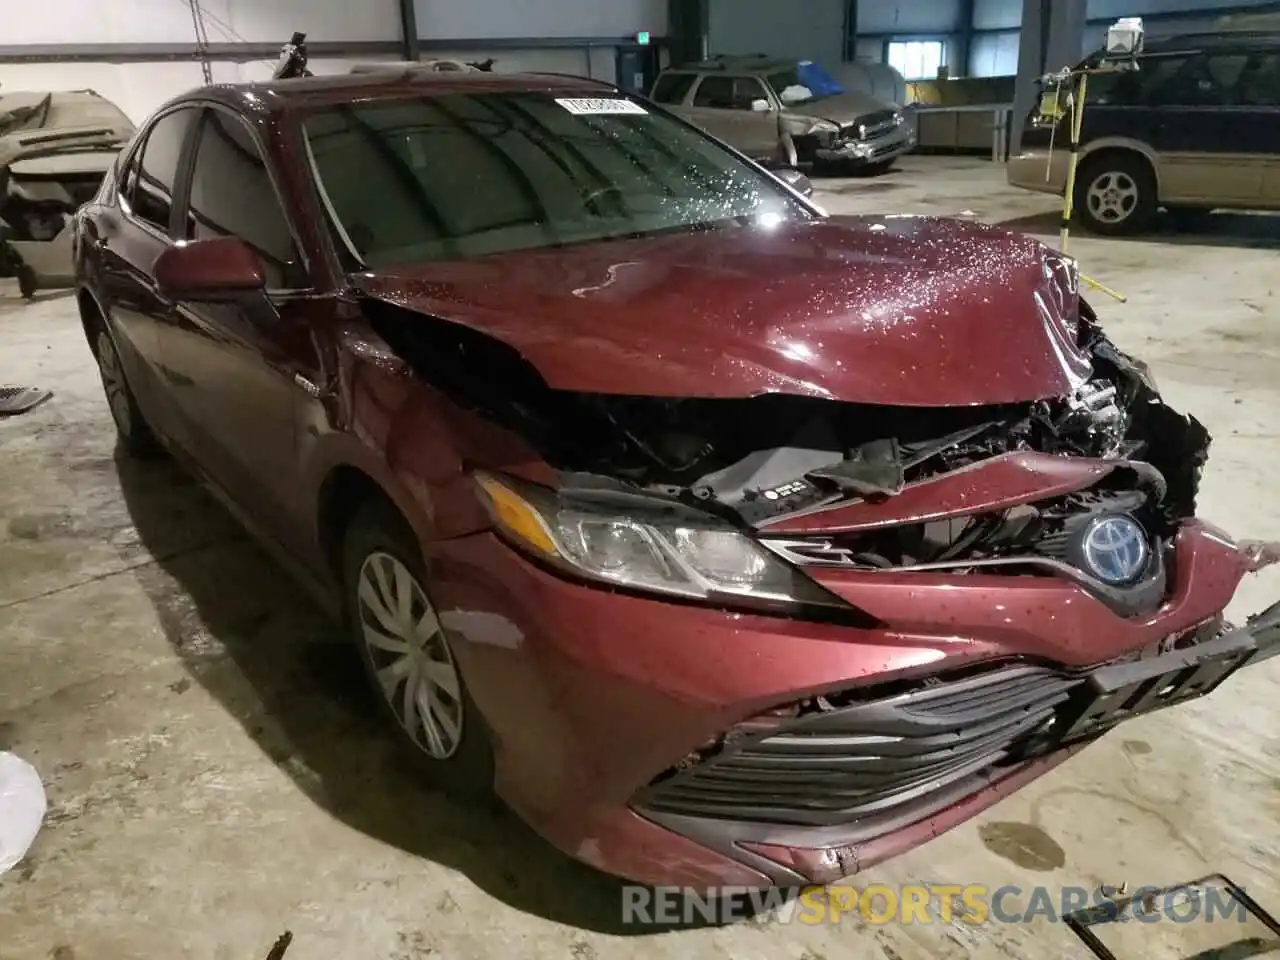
x=946 y=749
x=824 y=748
x=901 y=140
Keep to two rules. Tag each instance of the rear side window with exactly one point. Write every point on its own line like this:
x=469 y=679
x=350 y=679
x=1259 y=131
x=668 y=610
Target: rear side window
x=1159 y=78
x=1202 y=81
x=728 y=93
x=672 y=87
x=1260 y=86
x=151 y=198
x=232 y=195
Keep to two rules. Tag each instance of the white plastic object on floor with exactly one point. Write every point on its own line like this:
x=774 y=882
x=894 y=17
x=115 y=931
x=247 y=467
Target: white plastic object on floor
x=22 y=807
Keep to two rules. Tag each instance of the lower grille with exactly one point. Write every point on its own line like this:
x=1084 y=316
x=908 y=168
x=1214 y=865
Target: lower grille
x=869 y=757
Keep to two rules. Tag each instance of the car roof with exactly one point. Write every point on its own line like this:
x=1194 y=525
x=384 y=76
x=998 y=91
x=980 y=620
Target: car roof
x=757 y=63
x=1226 y=39
x=276 y=96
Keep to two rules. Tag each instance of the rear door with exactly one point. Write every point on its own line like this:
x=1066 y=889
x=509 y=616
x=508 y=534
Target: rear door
x=1260 y=104
x=1201 y=134
x=726 y=107
x=128 y=236
x=248 y=368
x=672 y=91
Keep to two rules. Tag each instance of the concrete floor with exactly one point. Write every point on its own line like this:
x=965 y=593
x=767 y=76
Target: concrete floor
x=214 y=777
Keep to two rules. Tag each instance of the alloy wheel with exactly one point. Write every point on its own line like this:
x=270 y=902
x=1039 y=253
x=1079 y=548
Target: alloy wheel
x=1112 y=197
x=410 y=655
x=113 y=382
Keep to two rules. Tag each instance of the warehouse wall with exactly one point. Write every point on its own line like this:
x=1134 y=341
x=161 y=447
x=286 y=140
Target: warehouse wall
x=880 y=20
x=138 y=88
x=996 y=25
x=803 y=29
x=487 y=19
x=164 y=21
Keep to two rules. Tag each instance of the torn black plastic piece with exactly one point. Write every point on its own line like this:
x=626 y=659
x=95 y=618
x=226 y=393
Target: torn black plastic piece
x=1181 y=903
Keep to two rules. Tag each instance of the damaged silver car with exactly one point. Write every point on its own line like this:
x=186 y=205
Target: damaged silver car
x=55 y=148
x=786 y=113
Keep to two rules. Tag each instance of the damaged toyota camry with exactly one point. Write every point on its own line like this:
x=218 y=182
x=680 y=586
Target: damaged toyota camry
x=728 y=542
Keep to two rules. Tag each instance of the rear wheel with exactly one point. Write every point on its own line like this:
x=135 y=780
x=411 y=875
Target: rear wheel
x=1115 y=194
x=408 y=657
x=134 y=433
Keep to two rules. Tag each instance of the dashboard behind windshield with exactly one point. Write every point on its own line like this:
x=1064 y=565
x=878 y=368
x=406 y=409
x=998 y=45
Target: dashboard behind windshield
x=464 y=175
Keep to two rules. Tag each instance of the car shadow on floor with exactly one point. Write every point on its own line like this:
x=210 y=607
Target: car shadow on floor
x=262 y=648
x=1251 y=231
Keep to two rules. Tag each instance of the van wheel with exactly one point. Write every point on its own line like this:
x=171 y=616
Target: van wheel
x=1115 y=194
x=408 y=656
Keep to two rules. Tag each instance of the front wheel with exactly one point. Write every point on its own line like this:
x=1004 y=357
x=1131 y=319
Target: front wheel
x=28 y=284
x=408 y=656
x=1115 y=194
x=134 y=432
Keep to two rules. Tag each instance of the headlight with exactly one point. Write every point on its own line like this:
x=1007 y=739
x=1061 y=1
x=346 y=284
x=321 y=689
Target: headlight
x=670 y=551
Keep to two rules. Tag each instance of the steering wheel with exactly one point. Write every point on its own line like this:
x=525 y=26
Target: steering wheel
x=590 y=199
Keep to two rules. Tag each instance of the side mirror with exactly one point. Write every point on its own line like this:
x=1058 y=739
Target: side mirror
x=760 y=105
x=216 y=269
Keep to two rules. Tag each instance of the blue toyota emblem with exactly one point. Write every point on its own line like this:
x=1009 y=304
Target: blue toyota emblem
x=1114 y=549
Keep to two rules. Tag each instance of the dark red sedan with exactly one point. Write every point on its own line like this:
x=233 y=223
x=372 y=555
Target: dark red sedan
x=729 y=542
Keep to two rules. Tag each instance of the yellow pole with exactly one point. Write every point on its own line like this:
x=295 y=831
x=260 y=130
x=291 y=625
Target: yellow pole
x=1077 y=118
x=1068 y=199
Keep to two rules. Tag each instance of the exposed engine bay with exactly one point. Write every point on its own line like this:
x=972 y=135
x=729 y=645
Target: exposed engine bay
x=758 y=459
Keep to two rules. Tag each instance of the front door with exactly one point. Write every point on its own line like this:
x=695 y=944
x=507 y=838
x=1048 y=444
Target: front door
x=128 y=236
x=247 y=367
x=739 y=111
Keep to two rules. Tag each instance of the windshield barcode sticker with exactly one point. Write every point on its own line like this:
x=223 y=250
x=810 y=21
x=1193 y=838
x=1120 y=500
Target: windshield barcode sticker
x=614 y=105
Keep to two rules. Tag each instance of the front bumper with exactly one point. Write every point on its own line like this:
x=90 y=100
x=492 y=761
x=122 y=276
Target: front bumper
x=880 y=149
x=594 y=698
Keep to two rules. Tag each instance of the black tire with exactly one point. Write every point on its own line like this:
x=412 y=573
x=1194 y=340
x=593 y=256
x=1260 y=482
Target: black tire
x=133 y=431
x=1115 y=194
x=27 y=282
x=375 y=532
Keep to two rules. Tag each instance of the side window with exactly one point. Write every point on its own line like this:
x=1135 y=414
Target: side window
x=232 y=195
x=1203 y=81
x=672 y=87
x=151 y=196
x=1121 y=88
x=1158 y=78
x=729 y=93
x=1261 y=85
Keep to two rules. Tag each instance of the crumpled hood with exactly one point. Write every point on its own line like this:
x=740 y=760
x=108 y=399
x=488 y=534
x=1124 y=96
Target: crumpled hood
x=843 y=108
x=912 y=311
